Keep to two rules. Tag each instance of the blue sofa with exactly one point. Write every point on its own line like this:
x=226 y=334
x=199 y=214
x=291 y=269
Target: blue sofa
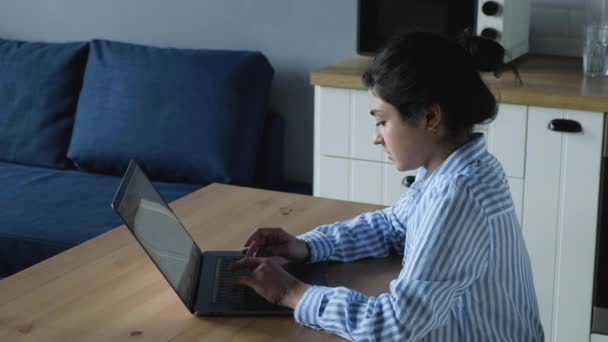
x=72 y=115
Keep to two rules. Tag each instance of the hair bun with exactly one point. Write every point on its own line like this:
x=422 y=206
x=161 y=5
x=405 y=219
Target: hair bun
x=486 y=55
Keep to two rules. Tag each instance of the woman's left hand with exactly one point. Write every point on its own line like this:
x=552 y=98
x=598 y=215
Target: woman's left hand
x=271 y=281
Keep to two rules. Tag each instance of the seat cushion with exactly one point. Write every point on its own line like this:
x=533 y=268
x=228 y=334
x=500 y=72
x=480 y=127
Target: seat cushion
x=39 y=90
x=46 y=211
x=192 y=116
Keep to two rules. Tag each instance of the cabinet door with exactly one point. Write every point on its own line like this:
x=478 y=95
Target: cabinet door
x=394 y=182
x=506 y=138
x=362 y=146
x=333 y=108
x=560 y=218
x=366 y=182
x=334 y=178
x=351 y=180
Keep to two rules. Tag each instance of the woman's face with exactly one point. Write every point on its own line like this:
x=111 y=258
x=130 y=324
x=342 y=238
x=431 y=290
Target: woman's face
x=408 y=144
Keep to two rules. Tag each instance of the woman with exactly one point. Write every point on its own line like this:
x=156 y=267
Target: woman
x=466 y=272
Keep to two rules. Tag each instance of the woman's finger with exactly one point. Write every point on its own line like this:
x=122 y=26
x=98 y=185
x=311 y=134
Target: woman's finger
x=261 y=234
x=257 y=235
x=252 y=237
x=249 y=262
x=253 y=249
x=249 y=251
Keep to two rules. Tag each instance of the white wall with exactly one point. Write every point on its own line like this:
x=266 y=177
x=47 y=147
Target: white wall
x=297 y=36
x=557 y=27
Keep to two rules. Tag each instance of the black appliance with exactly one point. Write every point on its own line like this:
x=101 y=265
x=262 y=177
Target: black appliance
x=379 y=20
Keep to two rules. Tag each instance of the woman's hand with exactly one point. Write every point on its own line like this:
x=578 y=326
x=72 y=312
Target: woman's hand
x=271 y=281
x=267 y=242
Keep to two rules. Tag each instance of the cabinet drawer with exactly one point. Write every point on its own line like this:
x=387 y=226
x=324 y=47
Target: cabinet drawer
x=351 y=180
x=346 y=128
x=334 y=174
x=362 y=146
x=394 y=182
x=366 y=180
x=334 y=121
x=360 y=180
x=378 y=183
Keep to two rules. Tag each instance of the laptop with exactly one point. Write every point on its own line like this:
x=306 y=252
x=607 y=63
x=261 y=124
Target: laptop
x=203 y=280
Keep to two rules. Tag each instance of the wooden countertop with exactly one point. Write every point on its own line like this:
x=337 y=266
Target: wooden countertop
x=548 y=81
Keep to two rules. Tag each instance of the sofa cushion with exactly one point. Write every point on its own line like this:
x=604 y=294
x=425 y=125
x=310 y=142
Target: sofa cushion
x=39 y=90
x=191 y=116
x=46 y=211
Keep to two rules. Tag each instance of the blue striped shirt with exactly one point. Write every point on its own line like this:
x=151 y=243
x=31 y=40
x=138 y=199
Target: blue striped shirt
x=466 y=273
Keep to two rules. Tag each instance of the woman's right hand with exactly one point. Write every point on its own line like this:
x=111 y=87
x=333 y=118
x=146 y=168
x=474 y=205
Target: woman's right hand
x=268 y=242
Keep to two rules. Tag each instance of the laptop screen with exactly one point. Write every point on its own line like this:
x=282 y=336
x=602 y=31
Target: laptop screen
x=159 y=232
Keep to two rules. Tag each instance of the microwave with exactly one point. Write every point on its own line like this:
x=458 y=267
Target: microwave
x=505 y=21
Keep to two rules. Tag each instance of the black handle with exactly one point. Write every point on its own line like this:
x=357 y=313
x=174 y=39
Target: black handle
x=407 y=181
x=490 y=8
x=565 y=125
x=490 y=33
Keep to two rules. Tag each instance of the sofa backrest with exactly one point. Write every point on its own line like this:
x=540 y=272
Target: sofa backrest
x=190 y=116
x=39 y=85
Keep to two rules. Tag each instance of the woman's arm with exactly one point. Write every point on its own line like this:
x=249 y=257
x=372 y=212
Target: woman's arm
x=449 y=256
x=371 y=234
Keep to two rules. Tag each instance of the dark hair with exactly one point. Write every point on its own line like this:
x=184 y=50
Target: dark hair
x=418 y=69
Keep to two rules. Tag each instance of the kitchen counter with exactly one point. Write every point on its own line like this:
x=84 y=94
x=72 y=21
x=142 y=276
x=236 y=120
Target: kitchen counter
x=548 y=81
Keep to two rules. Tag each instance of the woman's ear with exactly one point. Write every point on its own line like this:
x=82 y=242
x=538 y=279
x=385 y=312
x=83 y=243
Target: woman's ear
x=433 y=118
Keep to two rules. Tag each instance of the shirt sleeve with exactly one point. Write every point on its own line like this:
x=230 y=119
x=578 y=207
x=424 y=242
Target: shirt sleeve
x=372 y=234
x=450 y=253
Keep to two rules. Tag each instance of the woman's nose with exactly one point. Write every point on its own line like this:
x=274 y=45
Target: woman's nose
x=377 y=138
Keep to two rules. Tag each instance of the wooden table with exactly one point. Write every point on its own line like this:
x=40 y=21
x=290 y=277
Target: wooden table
x=107 y=288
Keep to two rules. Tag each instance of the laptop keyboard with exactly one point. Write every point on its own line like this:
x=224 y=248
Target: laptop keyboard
x=225 y=291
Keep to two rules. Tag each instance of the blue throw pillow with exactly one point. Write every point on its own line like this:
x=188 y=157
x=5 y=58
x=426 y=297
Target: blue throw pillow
x=39 y=86
x=193 y=116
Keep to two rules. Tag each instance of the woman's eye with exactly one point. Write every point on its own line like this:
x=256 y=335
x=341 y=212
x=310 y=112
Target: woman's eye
x=381 y=123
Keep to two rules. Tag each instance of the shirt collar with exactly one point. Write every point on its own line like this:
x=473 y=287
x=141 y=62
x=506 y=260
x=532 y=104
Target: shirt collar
x=456 y=161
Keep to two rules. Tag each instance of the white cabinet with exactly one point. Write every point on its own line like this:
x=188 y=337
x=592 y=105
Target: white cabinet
x=554 y=180
x=343 y=139
x=335 y=181
x=347 y=165
x=560 y=218
x=366 y=181
x=506 y=138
